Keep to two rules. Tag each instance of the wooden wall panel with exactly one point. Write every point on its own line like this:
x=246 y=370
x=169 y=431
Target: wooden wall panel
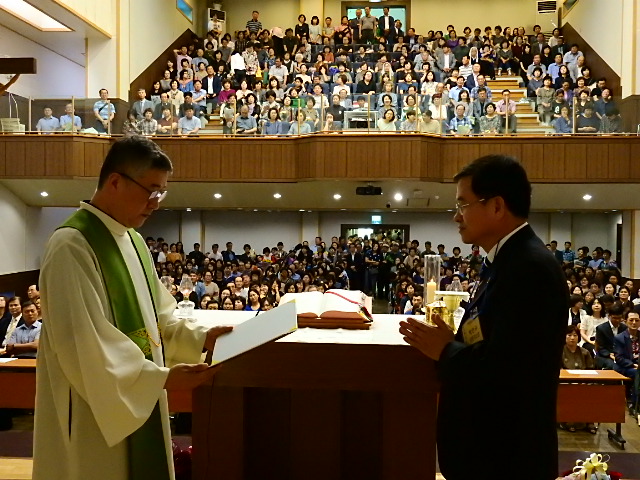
x=34 y=161
x=54 y=154
x=325 y=157
x=553 y=161
x=15 y=165
x=3 y=158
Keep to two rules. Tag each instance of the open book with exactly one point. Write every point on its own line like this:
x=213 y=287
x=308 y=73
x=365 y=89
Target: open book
x=343 y=305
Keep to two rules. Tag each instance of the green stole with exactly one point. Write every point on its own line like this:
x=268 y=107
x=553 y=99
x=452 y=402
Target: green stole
x=146 y=446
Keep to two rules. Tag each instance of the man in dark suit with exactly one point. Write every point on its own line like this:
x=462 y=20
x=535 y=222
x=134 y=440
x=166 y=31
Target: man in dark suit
x=489 y=399
x=387 y=26
x=605 y=336
x=626 y=359
x=355 y=268
x=141 y=104
x=560 y=49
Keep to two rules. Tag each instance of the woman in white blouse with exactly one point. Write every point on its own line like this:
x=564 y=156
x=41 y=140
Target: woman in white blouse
x=589 y=324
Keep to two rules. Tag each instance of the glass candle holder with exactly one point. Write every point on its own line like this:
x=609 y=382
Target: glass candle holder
x=432 y=265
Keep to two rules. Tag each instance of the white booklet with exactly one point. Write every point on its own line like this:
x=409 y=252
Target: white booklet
x=256 y=331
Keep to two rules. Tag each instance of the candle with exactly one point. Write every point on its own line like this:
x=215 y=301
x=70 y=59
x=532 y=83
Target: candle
x=431 y=292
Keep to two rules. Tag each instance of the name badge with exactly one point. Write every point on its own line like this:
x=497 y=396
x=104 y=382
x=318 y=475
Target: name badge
x=471 y=331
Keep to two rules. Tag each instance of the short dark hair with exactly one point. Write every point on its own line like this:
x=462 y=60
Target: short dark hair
x=616 y=309
x=28 y=303
x=573 y=329
x=575 y=299
x=133 y=156
x=500 y=176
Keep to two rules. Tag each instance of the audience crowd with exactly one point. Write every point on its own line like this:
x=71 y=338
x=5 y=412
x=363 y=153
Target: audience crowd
x=363 y=73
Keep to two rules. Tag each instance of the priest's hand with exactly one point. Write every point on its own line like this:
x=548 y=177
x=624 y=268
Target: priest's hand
x=213 y=334
x=430 y=340
x=187 y=377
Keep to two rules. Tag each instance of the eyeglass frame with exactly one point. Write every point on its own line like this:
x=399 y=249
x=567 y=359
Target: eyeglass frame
x=460 y=208
x=158 y=195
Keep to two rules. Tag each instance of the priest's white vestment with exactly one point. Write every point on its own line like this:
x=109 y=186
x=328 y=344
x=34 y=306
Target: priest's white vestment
x=94 y=385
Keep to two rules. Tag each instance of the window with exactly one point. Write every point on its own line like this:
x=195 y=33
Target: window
x=185 y=9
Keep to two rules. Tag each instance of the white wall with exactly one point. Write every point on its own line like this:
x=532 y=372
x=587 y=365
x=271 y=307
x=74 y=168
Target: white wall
x=102 y=13
x=57 y=76
x=14 y=232
x=591 y=18
x=42 y=222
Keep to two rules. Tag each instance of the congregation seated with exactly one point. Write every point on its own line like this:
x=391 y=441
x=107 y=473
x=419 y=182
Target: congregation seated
x=23 y=342
x=264 y=73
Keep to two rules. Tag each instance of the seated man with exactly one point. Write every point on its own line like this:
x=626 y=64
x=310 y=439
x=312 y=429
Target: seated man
x=460 y=124
x=188 y=125
x=69 y=122
x=605 y=336
x=246 y=123
x=48 y=124
x=24 y=339
x=506 y=108
x=626 y=346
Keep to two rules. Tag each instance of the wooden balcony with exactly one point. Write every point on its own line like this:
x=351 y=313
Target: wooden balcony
x=548 y=159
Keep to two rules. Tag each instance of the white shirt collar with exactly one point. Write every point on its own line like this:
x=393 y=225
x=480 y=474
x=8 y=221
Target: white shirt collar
x=491 y=255
x=614 y=329
x=113 y=225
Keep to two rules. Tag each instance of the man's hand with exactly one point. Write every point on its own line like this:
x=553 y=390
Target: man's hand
x=429 y=340
x=187 y=377
x=612 y=356
x=213 y=334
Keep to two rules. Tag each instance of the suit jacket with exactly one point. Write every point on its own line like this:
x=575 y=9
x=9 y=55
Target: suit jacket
x=392 y=27
x=536 y=48
x=471 y=82
x=357 y=261
x=140 y=106
x=559 y=49
x=216 y=81
x=605 y=338
x=623 y=350
x=161 y=106
x=484 y=392
x=440 y=60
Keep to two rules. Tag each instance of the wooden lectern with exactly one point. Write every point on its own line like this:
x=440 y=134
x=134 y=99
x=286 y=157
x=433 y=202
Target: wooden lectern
x=290 y=410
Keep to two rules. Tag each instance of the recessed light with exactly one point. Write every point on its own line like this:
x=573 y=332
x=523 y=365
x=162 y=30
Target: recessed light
x=277 y=195
x=587 y=197
x=614 y=210
x=343 y=209
x=337 y=196
x=302 y=210
x=44 y=194
x=217 y=195
x=255 y=209
x=397 y=197
x=394 y=211
x=188 y=209
x=450 y=210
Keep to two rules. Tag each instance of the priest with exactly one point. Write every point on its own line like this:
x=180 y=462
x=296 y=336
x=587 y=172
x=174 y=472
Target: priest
x=110 y=346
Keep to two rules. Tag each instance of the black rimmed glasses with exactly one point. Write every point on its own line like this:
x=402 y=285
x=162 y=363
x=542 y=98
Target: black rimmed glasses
x=153 y=195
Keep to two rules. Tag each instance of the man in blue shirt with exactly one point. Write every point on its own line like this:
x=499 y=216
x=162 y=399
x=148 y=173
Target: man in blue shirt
x=246 y=124
x=568 y=255
x=24 y=339
x=454 y=93
x=104 y=111
x=70 y=122
x=48 y=124
x=188 y=125
x=460 y=124
x=554 y=68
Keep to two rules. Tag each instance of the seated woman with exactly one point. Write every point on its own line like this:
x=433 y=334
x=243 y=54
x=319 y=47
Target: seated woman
x=271 y=126
x=490 y=122
x=410 y=124
x=388 y=121
x=563 y=124
x=589 y=325
x=300 y=127
x=576 y=358
x=253 y=303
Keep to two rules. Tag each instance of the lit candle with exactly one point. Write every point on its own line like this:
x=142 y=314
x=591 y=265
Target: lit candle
x=431 y=291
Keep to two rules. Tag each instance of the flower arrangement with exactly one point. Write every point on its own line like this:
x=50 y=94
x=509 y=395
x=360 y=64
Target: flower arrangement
x=594 y=467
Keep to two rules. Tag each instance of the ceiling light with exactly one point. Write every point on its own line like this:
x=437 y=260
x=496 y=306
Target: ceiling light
x=398 y=197
x=217 y=195
x=587 y=197
x=394 y=211
x=31 y=15
x=277 y=195
x=44 y=194
x=343 y=209
x=255 y=209
x=337 y=196
x=302 y=210
x=188 y=209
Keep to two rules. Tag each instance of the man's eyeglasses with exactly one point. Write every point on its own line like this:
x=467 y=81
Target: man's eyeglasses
x=461 y=206
x=153 y=195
